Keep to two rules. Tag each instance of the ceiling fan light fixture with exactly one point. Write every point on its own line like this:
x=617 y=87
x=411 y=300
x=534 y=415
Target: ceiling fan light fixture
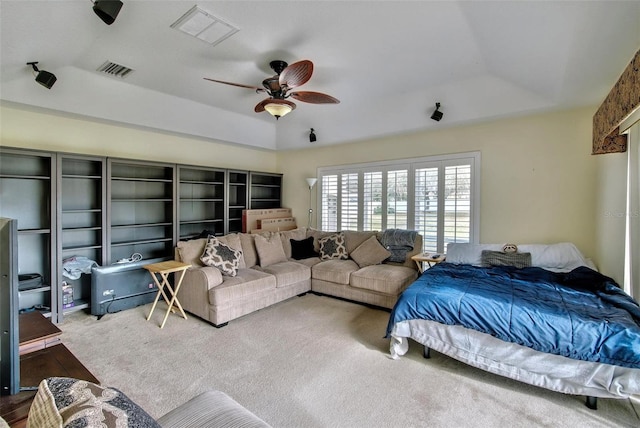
x=278 y=108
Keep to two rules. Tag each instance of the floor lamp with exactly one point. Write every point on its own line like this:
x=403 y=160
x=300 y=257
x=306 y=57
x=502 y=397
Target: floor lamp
x=311 y=182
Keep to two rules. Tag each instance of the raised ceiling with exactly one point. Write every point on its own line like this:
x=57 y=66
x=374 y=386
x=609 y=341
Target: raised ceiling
x=388 y=62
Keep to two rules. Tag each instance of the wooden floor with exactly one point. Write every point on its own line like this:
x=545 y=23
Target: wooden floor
x=42 y=355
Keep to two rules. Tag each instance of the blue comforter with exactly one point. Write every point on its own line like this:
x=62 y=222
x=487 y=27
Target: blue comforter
x=581 y=314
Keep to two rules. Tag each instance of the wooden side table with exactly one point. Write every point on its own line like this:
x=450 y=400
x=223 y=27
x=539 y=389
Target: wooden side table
x=428 y=258
x=36 y=332
x=160 y=273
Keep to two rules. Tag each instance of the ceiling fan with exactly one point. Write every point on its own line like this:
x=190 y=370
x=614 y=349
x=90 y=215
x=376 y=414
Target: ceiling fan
x=278 y=88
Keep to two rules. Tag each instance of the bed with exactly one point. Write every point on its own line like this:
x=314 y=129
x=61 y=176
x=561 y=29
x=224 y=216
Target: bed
x=554 y=322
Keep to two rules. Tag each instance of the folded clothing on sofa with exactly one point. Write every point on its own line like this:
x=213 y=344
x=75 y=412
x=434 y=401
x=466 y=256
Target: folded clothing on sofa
x=398 y=242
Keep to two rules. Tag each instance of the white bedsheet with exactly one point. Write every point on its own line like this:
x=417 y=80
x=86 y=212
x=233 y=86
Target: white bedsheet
x=517 y=362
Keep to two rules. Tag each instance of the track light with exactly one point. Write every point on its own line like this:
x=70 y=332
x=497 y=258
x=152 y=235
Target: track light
x=437 y=114
x=312 y=136
x=107 y=10
x=44 y=78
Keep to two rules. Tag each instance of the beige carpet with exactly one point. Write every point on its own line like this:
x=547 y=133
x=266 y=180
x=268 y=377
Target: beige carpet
x=315 y=362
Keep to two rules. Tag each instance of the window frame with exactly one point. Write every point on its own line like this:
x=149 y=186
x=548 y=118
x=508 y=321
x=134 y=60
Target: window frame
x=410 y=165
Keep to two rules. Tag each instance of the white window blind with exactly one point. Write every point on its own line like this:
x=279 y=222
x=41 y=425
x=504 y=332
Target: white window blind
x=349 y=205
x=397 y=199
x=372 y=201
x=436 y=196
x=457 y=203
x=329 y=203
x=427 y=215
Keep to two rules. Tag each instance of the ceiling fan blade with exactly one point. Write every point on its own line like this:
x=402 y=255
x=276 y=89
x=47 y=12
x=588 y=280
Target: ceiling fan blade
x=255 y=88
x=314 y=97
x=296 y=74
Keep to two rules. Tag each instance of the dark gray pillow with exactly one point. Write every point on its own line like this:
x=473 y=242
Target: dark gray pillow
x=498 y=258
x=302 y=249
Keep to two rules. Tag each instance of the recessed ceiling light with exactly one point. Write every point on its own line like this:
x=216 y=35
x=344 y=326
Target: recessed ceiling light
x=201 y=24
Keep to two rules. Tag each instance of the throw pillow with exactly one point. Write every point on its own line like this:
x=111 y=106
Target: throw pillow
x=303 y=248
x=62 y=402
x=498 y=258
x=233 y=241
x=269 y=250
x=370 y=252
x=221 y=256
x=286 y=237
x=332 y=247
x=190 y=251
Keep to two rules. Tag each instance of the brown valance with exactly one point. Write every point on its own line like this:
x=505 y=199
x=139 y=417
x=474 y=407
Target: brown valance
x=621 y=101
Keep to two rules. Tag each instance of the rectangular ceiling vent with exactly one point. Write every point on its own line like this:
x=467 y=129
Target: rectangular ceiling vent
x=115 y=70
x=204 y=26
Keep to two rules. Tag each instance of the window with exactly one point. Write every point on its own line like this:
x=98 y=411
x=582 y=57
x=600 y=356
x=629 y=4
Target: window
x=437 y=196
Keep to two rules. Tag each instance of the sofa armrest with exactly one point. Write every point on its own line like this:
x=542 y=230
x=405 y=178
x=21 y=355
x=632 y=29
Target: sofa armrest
x=194 y=291
x=211 y=409
x=208 y=276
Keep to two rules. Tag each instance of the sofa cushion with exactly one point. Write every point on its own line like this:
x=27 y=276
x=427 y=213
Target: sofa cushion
x=241 y=286
x=370 y=252
x=288 y=273
x=302 y=249
x=269 y=250
x=353 y=239
x=221 y=256
x=62 y=402
x=288 y=235
x=211 y=409
x=249 y=253
x=191 y=251
x=332 y=247
x=338 y=271
x=233 y=241
x=385 y=279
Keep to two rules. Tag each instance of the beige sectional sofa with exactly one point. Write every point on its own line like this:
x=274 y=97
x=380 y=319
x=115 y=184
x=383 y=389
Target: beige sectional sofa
x=269 y=270
x=62 y=401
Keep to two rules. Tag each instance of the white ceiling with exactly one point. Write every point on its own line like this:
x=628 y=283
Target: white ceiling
x=388 y=62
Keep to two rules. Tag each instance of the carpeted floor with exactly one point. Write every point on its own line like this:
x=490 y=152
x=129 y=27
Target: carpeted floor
x=314 y=361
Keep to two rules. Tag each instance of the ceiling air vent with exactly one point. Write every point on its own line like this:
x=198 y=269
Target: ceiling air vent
x=203 y=25
x=115 y=70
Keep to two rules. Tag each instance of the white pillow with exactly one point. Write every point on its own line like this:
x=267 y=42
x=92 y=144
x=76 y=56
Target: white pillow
x=471 y=254
x=560 y=257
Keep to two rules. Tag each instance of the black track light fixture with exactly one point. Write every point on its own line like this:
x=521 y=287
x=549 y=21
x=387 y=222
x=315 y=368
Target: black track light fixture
x=312 y=136
x=43 y=77
x=437 y=114
x=107 y=10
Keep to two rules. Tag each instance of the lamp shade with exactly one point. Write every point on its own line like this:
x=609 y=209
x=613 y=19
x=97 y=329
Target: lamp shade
x=311 y=181
x=278 y=108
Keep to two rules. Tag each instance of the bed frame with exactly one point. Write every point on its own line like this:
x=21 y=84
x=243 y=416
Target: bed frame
x=483 y=351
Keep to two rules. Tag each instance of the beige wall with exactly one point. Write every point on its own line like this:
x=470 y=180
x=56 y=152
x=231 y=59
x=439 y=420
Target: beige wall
x=37 y=130
x=538 y=176
x=539 y=181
